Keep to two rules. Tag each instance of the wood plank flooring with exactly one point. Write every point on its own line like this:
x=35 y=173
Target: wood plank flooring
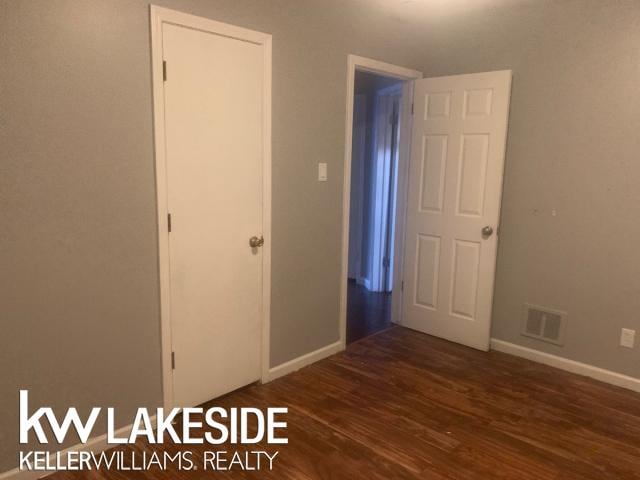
x=367 y=312
x=403 y=405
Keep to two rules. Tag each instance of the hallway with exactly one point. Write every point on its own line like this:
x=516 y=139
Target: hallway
x=367 y=312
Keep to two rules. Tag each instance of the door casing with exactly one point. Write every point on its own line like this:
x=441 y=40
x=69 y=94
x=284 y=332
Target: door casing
x=385 y=188
x=158 y=16
x=355 y=62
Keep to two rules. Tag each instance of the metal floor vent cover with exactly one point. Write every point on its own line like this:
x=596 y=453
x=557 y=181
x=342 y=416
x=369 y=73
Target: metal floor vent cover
x=544 y=324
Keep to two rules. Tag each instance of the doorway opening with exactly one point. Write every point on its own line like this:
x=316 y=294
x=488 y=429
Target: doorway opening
x=377 y=101
x=376 y=185
x=433 y=246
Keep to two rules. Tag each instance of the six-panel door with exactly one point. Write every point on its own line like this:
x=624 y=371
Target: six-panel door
x=455 y=186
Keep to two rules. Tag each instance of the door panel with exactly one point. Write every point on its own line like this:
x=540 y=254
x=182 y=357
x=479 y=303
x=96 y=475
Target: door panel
x=427 y=271
x=434 y=161
x=464 y=291
x=472 y=174
x=455 y=186
x=213 y=121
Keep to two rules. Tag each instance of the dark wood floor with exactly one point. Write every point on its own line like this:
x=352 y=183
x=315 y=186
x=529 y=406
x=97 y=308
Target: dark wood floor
x=367 y=312
x=402 y=405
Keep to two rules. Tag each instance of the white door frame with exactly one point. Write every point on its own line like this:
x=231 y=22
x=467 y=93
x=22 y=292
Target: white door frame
x=377 y=248
x=354 y=63
x=158 y=16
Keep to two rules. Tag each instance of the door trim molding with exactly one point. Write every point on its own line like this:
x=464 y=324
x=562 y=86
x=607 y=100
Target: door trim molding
x=158 y=16
x=382 y=131
x=355 y=62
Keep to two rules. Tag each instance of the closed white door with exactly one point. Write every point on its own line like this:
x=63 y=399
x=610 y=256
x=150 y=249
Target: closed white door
x=213 y=95
x=455 y=187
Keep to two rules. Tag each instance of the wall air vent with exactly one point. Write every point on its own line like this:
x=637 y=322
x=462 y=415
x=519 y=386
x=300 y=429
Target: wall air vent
x=544 y=324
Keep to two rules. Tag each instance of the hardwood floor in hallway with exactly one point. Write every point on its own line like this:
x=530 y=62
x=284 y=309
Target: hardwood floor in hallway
x=403 y=405
x=367 y=312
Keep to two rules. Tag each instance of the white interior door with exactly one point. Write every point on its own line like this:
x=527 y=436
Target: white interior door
x=382 y=194
x=455 y=187
x=213 y=97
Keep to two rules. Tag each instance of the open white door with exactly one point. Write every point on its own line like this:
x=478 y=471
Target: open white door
x=455 y=187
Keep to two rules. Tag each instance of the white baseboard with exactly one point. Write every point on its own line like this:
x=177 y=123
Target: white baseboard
x=572 y=366
x=96 y=445
x=303 y=361
x=99 y=444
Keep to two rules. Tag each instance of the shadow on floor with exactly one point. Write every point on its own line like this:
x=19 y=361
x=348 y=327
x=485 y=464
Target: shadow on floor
x=367 y=312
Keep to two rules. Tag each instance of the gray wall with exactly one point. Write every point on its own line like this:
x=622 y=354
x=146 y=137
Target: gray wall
x=79 y=296
x=573 y=147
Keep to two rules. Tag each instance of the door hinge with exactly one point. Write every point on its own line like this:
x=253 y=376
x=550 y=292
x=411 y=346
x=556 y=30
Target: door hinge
x=164 y=70
x=169 y=222
x=402 y=286
x=411 y=108
x=173 y=360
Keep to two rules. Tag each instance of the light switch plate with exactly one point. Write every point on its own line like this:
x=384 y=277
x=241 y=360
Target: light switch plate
x=322 y=172
x=627 y=338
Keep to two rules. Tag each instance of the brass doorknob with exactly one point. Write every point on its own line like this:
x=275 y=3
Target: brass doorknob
x=487 y=231
x=255 y=242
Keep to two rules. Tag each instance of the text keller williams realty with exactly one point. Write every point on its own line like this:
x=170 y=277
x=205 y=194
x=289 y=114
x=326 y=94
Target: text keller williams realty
x=154 y=432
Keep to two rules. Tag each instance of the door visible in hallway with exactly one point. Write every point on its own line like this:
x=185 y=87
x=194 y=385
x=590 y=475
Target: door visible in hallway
x=213 y=101
x=457 y=157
